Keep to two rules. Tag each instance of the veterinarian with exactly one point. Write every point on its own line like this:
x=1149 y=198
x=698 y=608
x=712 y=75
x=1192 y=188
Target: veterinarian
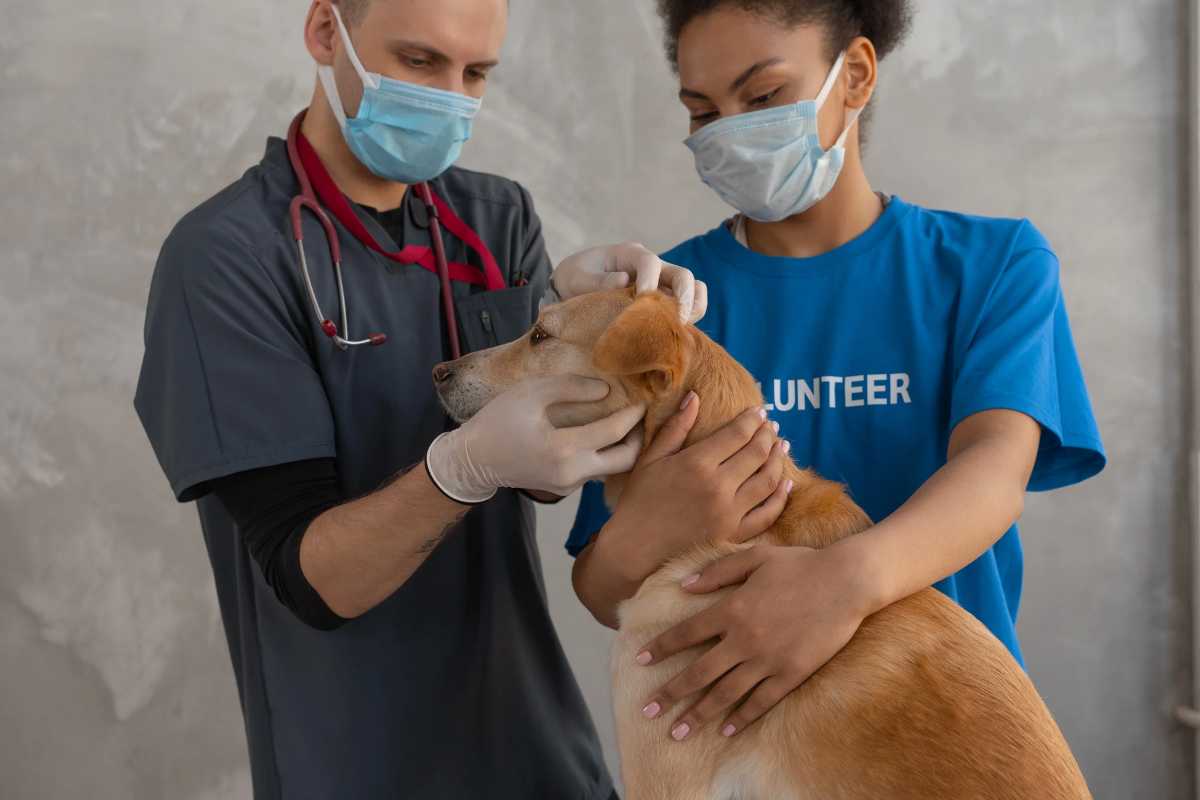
x=922 y=357
x=386 y=642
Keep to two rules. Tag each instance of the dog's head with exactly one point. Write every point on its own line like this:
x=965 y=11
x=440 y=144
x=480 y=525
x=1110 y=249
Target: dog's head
x=638 y=346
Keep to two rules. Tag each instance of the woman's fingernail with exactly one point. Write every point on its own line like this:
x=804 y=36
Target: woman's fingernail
x=689 y=580
x=762 y=413
x=651 y=711
x=728 y=731
x=644 y=657
x=787 y=446
x=680 y=731
x=775 y=425
x=787 y=487
x=687 y=400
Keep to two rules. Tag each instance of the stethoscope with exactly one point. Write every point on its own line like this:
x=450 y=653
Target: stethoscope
x=308 y=200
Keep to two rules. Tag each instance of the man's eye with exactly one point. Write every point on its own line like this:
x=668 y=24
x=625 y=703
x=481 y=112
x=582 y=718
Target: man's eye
x=417 y=63
x=538 y=336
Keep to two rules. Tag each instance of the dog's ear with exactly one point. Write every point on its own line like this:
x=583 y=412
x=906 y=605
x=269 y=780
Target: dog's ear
x=646 y=344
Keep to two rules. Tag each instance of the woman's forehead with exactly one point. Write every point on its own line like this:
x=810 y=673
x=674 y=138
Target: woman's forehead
x=723 y=44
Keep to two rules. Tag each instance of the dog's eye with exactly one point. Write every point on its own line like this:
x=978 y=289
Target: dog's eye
x=538 y=336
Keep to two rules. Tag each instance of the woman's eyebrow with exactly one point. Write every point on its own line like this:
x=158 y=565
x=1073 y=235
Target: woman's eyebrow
x=738 y=83
x=748 y=74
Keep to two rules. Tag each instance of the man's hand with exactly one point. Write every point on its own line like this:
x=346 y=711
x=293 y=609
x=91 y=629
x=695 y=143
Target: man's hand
x=511 y=442
x=727 y=487
x=794 y=609
x=616 y=266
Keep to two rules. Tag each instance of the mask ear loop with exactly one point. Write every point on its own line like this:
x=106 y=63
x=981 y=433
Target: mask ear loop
x=367 y=78
x=831 y=80
x=854 y=114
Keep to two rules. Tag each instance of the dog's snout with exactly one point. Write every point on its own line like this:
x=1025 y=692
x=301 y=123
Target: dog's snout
x=442 y=373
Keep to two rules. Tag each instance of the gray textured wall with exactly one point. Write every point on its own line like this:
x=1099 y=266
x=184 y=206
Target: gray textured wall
x=119 y=116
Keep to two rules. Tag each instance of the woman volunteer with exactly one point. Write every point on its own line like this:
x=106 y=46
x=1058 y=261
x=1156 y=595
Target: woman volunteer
x=923 y=357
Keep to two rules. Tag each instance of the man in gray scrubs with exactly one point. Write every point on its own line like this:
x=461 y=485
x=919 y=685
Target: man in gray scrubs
x=389 y=634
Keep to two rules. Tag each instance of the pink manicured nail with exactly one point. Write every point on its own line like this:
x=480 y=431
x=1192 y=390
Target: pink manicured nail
x=687 y=400
x=680 y=731
x=775 y=425
x=651 y=711
x=728 y=731
x=689 y=580
x=644 y=657
x=787 y=487
x=787 y=446
x=762 y=413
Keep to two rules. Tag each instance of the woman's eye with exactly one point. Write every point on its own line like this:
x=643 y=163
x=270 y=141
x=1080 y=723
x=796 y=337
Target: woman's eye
x=705 y=118
x=538 y=336
x=418 y=63
x=763 y=99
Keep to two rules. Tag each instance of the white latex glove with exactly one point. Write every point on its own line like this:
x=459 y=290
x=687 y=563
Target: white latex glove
x=614 y=266
x=511 y=442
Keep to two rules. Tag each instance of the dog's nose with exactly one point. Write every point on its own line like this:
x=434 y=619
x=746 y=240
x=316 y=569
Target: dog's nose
x=442 y=373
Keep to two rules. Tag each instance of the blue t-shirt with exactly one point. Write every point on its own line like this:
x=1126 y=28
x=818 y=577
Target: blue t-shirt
x=871 y=354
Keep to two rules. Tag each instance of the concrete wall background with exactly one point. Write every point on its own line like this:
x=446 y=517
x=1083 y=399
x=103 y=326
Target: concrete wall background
x=120 y=116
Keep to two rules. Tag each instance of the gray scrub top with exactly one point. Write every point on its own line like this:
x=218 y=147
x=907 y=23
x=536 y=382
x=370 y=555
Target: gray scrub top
x=457 y=685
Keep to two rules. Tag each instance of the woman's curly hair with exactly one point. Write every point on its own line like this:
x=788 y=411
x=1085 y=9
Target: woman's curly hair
x=884 y=22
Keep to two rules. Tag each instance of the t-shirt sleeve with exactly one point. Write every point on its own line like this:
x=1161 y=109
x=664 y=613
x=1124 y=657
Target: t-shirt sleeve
x=589 y=519
x=227 y=382
x=1018 y=354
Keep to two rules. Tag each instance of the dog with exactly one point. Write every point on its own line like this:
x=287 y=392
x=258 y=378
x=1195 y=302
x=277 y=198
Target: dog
x=922 y=703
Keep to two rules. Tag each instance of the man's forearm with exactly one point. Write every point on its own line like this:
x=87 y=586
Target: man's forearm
x=358 y=554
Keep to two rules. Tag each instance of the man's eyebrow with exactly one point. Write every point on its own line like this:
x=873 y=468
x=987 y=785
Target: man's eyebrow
x=402 y=46
x=738 y=83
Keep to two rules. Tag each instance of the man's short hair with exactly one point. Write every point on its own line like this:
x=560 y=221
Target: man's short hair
x=353 y=11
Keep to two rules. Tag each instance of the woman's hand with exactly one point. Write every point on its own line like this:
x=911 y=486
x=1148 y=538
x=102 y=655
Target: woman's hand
x=794 y=609
x=728 y=487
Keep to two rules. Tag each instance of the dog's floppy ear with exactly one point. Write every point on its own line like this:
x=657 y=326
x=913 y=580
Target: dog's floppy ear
x=646 y=344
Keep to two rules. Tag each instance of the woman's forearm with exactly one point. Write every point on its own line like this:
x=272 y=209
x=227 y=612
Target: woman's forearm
x=601 y=584
x=960 y=512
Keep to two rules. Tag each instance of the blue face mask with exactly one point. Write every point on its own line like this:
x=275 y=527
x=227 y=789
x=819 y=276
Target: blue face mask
x=402 y=132
x=769 y=164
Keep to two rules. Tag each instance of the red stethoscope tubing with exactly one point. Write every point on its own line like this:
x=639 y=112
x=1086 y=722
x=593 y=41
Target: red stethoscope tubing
x=443 y=267
x=307 y=200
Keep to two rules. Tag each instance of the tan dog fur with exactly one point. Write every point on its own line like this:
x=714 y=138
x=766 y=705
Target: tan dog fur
x=922 y=703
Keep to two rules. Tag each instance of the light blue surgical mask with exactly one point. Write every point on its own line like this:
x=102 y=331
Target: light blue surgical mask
x=769 y=164
x=403 y=131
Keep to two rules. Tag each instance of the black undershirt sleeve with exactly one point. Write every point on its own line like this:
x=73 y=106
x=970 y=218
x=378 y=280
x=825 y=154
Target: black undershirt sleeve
x=273 y=508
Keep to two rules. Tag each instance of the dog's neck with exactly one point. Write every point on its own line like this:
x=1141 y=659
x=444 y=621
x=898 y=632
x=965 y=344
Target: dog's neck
x=818 y=512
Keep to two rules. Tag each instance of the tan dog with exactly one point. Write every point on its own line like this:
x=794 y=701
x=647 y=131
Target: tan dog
x=922 y=703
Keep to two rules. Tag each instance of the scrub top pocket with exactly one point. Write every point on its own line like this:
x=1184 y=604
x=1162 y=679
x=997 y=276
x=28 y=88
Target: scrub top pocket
x=488 y=319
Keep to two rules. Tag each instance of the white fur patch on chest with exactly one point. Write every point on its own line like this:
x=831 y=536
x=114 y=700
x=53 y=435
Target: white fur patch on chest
x=749 y=778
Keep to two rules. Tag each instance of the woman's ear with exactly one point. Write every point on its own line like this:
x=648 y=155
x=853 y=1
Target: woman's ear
x=646 y=344
x=862 y=70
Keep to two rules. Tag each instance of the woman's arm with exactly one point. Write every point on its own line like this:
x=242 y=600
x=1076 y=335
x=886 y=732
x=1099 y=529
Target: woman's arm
x=796 y=608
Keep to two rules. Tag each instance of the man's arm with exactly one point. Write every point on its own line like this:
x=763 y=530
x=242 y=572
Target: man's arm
x=358 y=554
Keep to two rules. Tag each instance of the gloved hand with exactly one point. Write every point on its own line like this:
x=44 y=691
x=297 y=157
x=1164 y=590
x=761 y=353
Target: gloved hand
x=512 y=443
x=613 y=266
